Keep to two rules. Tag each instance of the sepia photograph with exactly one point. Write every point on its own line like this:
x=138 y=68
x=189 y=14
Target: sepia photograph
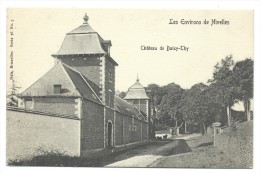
x=129 y=88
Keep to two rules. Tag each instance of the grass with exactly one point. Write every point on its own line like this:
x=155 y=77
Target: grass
x=202 y=155
x=235 y=151
x=51 y=157
x=238 y=144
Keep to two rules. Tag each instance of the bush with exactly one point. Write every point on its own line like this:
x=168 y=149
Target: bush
x=158 y=137
x=50 y=157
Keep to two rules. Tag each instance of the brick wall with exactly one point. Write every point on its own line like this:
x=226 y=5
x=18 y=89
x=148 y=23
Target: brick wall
x=109 y=83
x=119 y=129
x=61 y=105
x=89 y=66
x=125 y=133
x=143 y=104
x=145 y=131
x=92 y=126
x=109 y=118
x=138 y=134
x=26 y=132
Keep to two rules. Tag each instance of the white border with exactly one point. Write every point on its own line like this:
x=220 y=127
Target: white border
x=235 y=5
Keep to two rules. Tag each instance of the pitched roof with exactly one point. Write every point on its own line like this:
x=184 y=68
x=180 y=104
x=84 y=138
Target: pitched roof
x=84 y=40
x=44 y=85
x=81 y=84
x=126 y=108
x=83 y=29
x=72 y=84
x=89 y=43
x=136 y=91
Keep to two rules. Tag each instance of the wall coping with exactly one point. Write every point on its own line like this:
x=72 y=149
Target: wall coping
x=11 y=108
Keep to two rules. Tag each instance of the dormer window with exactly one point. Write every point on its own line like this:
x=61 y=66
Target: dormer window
x=107 y=44
x=57 y=89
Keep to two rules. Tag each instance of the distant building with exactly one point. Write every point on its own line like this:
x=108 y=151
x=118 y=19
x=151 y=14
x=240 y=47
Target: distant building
x=80 y=88
x=137 y=96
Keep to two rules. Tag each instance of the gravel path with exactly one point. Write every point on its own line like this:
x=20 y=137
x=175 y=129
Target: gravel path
x=150 y=154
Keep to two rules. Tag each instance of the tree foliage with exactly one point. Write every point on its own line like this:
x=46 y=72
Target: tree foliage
x=169 y=108
x=205 y=104
x=11 y=98
x=243 y=76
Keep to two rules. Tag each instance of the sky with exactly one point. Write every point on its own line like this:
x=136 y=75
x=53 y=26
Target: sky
x=38 y=33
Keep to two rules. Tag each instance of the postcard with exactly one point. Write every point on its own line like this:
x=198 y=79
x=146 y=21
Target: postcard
x=128 y=88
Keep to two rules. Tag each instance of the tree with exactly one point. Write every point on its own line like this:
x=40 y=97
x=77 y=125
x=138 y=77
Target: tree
x=198 y=107
x=12 y=99
x=168 y=110
x=152 y=92
x=243 y=76
x=222 y=86
x=122 y=94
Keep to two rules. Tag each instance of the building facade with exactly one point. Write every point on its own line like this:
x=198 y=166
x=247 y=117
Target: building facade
x=81 y=86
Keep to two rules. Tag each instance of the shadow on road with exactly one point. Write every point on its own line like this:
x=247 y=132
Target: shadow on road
x=181 y=147
x=205 y=144
x=154 y=149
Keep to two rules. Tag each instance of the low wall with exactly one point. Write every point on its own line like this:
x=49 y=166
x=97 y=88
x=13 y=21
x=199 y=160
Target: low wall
x=237 y=144
x=27 y=131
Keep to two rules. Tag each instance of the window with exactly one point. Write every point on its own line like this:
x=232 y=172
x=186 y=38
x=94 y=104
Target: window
x=110 y=98
x=57 y=89
x=28 y=99
x=132 y=127
x=110 y=76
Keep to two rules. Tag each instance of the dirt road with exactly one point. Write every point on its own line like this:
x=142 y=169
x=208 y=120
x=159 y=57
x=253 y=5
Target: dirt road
x=190 y=151
x=147 y=155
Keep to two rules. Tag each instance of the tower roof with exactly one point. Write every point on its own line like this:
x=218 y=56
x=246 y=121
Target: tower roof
x=136 y=91
x=84 y=40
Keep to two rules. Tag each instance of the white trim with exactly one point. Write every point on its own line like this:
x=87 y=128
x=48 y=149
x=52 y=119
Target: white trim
x=103 y=77
x=123 y=140
x=114 y=127
x=105 y=138
x=78 y=106
x=141 y=131
x=112 y=133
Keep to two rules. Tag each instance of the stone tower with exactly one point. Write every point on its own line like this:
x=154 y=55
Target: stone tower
x=137 y=96
x=87 y=52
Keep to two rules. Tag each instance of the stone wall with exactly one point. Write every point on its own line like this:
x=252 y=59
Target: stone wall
x=237 y=144
x=26 y=132
x=60 y=105
x=92 y=126
x=129 y=130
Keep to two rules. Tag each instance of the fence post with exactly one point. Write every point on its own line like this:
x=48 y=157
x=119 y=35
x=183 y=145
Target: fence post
x=215 y=126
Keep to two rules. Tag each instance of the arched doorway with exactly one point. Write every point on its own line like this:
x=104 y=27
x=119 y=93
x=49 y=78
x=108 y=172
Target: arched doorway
x=110 y=135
